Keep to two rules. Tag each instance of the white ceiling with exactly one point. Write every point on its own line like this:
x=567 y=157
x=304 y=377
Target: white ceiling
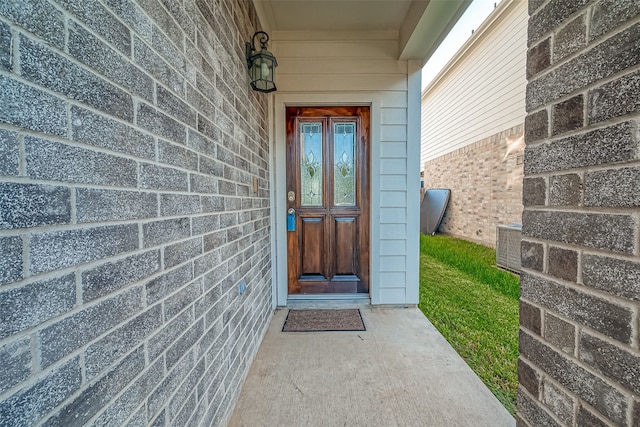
x=420 y=24
x=335 y=15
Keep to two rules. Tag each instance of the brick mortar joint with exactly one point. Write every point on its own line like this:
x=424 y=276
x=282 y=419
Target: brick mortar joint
x=15 y=47
x=582 y=172
x=69 y=141
x=586 y=210
x=16 y=75
x=80 y=307
x=69 y=137
x=130 y=57
x=78 y=288
x=636 y=251
x=584 y=89
x=529 y=113
x=580 y=329
x=20 y=179
x=562 y=388
x=607 y=254
x=587 y=25
x=81 y=268
x=86 y=383
x=63 y=52
x=612 y=32
x=586 y=290
x=635 y=331
x=541 y=404
x=631 y=118
x=597 y=414
x=52 y=228
x=632 y=351
x=478 y=144
x=587 y=9
x=577 y=361
x=40 y=372
x=540 y=7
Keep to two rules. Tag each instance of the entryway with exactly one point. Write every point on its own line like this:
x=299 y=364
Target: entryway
x=328 y=200
x=399 y=372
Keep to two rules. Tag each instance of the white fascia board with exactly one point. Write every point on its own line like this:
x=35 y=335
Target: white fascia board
x=426 y=25
x=265 y=14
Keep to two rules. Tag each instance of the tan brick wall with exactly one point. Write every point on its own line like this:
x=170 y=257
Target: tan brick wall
x=485 y=179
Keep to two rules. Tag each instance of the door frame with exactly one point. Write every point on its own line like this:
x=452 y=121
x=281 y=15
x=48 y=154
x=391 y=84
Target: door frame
x=278 y=185
x=329 y=215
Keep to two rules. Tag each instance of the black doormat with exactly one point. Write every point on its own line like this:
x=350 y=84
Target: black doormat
x=323 y=321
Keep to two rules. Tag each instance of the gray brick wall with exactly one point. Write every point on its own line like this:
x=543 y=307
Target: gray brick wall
x=129 y=141
x=579 y=356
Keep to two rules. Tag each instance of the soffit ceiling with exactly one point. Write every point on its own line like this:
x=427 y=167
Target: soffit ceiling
x=420 y=24
x=335 y=15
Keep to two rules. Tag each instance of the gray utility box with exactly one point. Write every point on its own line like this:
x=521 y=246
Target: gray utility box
x=508 y=246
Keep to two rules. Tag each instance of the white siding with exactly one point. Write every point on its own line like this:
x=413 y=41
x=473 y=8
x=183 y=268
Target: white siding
x=481 y=92
x=319 y=63
x=393 y=279
x=393 y=295
x=394 y=247
x=393 y=215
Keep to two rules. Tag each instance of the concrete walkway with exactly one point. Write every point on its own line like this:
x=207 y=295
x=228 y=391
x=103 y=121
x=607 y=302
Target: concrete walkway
x=400 y=372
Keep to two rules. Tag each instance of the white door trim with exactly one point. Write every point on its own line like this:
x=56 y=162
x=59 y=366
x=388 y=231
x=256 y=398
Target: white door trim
x=278 y=183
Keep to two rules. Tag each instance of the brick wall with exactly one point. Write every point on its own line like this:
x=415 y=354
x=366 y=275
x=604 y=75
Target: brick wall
x=129 y=142
x=579 y=362
x=485 y=179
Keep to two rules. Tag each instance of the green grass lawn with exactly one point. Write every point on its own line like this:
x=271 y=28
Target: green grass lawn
x=474 y=305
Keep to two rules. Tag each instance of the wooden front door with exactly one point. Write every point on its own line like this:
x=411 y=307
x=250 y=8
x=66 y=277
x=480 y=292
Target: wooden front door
x=328 y=199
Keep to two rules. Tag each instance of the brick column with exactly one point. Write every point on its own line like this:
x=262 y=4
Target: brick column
x=579 y=358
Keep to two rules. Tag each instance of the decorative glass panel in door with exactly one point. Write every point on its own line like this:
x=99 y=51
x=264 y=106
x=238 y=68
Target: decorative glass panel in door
x=344 y=164
x=311 y=164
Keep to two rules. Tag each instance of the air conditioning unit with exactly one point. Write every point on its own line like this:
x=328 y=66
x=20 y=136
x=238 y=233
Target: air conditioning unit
x=508 y=246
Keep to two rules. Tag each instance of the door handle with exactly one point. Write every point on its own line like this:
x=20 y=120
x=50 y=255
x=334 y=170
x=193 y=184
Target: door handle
x=291 y=219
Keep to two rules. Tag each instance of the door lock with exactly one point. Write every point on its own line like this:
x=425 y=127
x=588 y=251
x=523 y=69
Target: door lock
x=291 y=196
x=291 y=219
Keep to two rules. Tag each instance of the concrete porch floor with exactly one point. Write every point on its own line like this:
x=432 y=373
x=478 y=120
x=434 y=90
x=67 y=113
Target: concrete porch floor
x=399 y=372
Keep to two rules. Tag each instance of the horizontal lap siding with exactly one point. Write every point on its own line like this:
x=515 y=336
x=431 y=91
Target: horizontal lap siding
x=483 y=93
x=472 y=121
x=393 y=205
x=350 y=65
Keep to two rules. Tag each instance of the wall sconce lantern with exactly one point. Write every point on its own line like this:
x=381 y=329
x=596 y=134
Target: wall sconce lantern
x=262 y=65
